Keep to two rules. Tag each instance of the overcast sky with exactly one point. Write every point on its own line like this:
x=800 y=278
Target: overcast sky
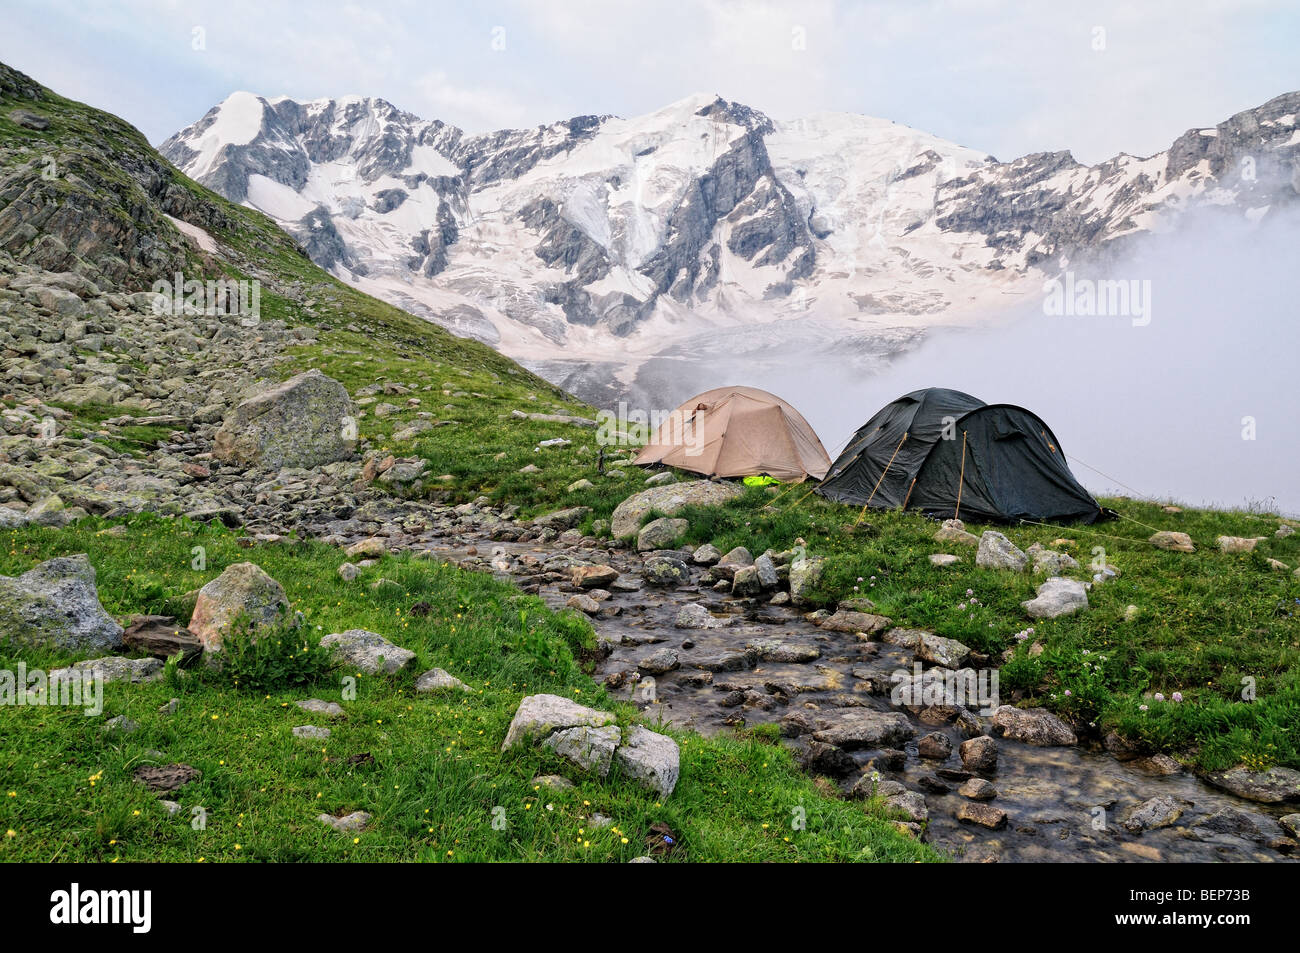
x=1004 y=77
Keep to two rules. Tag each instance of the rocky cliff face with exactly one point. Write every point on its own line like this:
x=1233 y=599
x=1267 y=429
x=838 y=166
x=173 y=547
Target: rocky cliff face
x=599 y=241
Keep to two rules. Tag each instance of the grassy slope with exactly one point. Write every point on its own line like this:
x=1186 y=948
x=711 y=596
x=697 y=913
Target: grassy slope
x=437 y=772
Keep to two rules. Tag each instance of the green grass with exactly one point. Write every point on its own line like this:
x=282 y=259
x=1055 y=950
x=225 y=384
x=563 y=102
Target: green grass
x=437 y=778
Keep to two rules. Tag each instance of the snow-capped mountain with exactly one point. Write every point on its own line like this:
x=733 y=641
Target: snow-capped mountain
x=603 y=252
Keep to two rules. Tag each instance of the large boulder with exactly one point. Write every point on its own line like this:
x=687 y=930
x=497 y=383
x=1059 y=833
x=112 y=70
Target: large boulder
x=368 y=651
x=56 y=605
x=668 y=500
x=307 y=421
x=864 y=728
x=1274 y=785
x=242 y=590
x=1033 y=726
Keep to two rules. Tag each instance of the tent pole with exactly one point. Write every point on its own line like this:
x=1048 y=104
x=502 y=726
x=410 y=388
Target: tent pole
x=961 y=480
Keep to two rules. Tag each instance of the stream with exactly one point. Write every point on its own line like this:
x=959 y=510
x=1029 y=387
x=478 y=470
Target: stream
x=1063 y=804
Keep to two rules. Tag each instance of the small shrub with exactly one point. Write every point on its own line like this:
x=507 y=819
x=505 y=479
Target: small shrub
x=272 y=658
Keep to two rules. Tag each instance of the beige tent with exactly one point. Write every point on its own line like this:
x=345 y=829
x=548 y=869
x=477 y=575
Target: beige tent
x=736 y=432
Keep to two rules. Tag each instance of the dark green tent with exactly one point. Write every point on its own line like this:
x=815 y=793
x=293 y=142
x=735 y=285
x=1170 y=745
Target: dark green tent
x=950 y=454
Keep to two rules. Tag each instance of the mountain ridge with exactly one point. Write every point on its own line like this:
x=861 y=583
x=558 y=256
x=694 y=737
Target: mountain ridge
x=593 y=245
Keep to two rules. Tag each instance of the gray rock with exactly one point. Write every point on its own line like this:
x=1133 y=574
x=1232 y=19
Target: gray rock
x=244 y=591
x=982 y=815
x=348 y=572
x=738 y=558
x=1151 y=814
x=706 y=555
x=665 y=571
x=768 y=577
x=660 y=533
x=307 y=421
x=311 y=732
x=846 y=620
x=593 y=577
x=121 y=725
x=935 y=746
x=437 y=680
x=954 y=531
x=652 y=759
x=1275 y=785
x=944 y=559
x=563 y=519
x=1174 y=542
x=664 y=660
x=539 y=715
x=977 y=789
x=669 y=500
x=1033 y=726
x=590 y=748
x=1049 y=562
x=979 y=754
x=553 y=781
x=805 y=574
x=695 y=616
x=998 y=552
x=1056 y=597
x=56 y=605
x=745 y=581
x=863 y=728
x=368 y=651
x=948 y=653
x=319 y=707
x=583 y=603
x=353 y=823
